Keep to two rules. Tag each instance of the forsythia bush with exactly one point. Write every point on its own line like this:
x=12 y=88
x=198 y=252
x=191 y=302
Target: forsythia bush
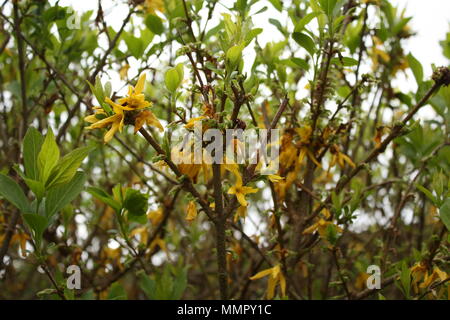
x=101 y=196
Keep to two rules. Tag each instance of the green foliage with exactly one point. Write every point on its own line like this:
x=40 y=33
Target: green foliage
x=48 y=157
x=135 y=202
x=416 y=68
x=11 y=191
x=305 y=41
x=174 y=77
x=169 y=284
x=154 y=23
x=55 y=182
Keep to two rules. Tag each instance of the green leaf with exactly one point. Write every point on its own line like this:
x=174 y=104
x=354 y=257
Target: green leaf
x=138 y=219
x=305 y=20
x=154 y=23
x=331 y=234
x=36 y=186
x=11 y=191
x=99 y=94
x=37 y=223
x=405 y=279
x=304 y=41
x=32 y=143
x=328 y=6
x=105 y=197
x=399 y=26
x=277 y=24
x=321 y=19
x=135 y=202
x=438 y=183
x=301 y=63
x=277 y=4
x=137 y=46
x=172 y=79
x=416 y=68
x=345 y=61
x=233 y=56
x=68 y=166
x=252 y=34
x=180 y=284
x=444 y=213
x=48 y=157
x=60 y=196
x=117 y=192
x=99 y=88
x=427 y=193
x=117 y=292
x=108 y=89
x=180 y=69
x=148 y=285
x=146 y=37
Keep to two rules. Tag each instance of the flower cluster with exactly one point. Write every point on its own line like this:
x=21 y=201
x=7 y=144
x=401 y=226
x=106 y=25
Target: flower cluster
x=134 y=104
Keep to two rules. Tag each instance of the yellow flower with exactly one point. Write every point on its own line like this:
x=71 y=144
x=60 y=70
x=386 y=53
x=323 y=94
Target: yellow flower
x=377 y=54
x=158 y=242
x=340 y=158
x=98 y=115
x=142 y=232
x=418 y=272
x=378 y=136
x=155 y=216
x=192 y=170
x=153 y=5
x=321 y=226
x=123 y=72
x=135 y=99
x=191 y=212
x=437 y=274
x=234 y=169
x=275 y=277
x=112 y=256
x=186 y=160
x=304 y=134
x=288 y=153
x=115 y=121
x=275 y=178
x=241 y=212
x=21 y=238
x=282 y=186
x=361 y=281
x=147 y=117
x=240 y=191
x=305 y=151
x=191 y=122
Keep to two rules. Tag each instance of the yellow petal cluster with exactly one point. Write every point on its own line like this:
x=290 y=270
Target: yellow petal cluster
x=275 y=277
x=134 y=101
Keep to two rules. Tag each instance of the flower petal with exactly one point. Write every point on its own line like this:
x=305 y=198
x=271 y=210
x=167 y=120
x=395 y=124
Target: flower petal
x=140 y=84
